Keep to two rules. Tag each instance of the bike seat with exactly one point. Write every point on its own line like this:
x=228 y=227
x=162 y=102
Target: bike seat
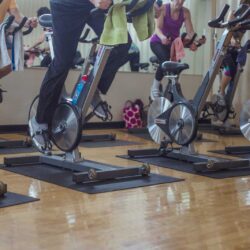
x=154 y=59
x=45 y=20
x=173 y=68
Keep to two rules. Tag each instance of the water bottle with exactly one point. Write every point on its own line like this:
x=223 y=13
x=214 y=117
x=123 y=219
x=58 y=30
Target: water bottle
x=78 y=89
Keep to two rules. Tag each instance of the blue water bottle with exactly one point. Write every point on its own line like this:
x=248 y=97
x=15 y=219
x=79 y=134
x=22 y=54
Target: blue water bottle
x=79 y=88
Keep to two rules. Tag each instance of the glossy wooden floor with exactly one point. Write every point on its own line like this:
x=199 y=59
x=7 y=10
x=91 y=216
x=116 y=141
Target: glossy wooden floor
x=198 y=213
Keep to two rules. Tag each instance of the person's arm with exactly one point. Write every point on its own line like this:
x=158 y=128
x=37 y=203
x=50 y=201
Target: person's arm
x=31 y=22
x=14 y=10
x=230 y=16
x=39 y=42
x=158 y=9
x=235 y=41
x=188 y=23
x=190 y=30
x=159 y=27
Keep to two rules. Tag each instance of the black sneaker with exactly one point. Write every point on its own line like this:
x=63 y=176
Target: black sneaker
x=96 y=105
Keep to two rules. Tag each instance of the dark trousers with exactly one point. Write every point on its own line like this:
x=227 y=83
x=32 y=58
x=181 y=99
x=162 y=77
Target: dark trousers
x=134 y=61
x=163 y=54
x=68 y=24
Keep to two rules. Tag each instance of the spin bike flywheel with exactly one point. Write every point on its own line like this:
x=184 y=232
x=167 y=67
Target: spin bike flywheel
x=245 y=120
x=219 y=107
x=157 y=107
x=66 y=127
x=182 y=123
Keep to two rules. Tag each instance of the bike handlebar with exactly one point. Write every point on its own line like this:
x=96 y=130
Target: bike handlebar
x=84 y=40
x=21 y=25
x=129 y=7
x=239 y=19
x=28 y=31
x=216 y=23
x=242 y=18
x=141 y=10
x=9 y=21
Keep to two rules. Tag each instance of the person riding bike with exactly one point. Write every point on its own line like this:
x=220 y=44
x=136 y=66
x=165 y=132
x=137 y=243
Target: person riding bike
x=69 y=19
x=230 y=60
x=172 y=17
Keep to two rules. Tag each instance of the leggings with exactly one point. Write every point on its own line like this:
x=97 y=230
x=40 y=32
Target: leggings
x=230 y=64
x=163 y=54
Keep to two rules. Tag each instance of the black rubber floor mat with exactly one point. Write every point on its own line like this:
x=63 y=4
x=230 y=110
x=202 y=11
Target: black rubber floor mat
x=17 y=150
x=12 y=199
x=146 y=136
x=14 y=147
x=213 y=129
x=63 y=178
x=182 y=166
x=223 y=152
x=102 y=144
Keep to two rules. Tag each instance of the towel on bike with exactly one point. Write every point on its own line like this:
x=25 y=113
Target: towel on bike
x=4 y=55
x=17 y=52
x=115 y=26
x=177 y=50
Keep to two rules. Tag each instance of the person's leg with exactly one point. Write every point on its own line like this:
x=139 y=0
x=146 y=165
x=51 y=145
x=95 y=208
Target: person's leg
x=163 y=54
x=225 y=80
x=68 y=23
x=134 y=61
x=228 y=73
x=118 y=56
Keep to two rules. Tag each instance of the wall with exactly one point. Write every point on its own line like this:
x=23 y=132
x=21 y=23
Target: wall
x=23 y=86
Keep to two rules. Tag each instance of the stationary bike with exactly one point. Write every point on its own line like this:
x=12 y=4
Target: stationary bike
x=177 y=121
x=166 y=91
x=46 y=22
x=221 y=108
x=11 y=31
x=10 y=144
x=66 y=127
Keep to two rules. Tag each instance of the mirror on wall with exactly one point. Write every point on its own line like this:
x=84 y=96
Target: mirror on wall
x=200 y=13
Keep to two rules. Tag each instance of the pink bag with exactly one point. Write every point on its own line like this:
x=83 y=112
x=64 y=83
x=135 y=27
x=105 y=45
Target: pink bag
x=132 y=114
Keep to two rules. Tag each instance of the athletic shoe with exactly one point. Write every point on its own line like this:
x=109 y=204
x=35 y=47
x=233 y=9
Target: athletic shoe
x=96 y=105
x=38 y=133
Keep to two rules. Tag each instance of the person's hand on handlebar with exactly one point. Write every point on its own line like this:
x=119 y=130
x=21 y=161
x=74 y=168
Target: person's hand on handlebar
x=31 y=22
x=193 y=47
x=166 y=40
x=101 y=4
x=202 y=40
